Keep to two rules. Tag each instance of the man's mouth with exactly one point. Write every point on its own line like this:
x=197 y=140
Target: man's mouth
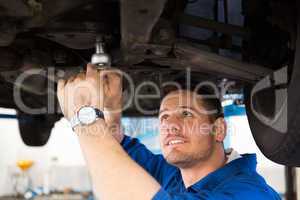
x=175 y=142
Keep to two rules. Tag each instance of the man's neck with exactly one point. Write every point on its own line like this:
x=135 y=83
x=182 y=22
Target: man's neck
x=200 y=170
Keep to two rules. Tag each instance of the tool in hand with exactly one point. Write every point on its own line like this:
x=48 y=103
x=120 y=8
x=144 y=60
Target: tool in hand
x=100 y=59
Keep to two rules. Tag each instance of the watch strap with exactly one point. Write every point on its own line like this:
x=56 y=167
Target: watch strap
x=74 y=121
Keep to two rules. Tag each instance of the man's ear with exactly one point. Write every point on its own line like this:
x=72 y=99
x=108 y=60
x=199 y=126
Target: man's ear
x=220 y=129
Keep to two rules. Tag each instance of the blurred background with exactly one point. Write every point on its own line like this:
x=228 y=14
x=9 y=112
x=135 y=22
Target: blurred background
x=58 y=168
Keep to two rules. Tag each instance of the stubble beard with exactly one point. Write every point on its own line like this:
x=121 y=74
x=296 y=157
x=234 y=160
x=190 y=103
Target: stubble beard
x=185 y=160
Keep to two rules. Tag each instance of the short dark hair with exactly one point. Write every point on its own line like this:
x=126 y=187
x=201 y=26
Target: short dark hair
x=212 y=102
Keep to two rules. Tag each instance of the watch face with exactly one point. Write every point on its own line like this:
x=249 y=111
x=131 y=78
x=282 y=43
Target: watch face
x=87 y=115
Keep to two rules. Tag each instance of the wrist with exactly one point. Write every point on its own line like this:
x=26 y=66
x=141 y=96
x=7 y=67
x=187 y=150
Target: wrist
x=86 y=116
x=100 y=128
x=96 y=129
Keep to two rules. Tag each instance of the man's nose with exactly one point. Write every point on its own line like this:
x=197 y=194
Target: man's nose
x=172 y=125
x=173 y=129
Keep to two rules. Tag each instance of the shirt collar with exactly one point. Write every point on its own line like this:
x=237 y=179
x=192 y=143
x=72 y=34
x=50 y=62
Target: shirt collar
x=244 y=163
x=231 y=155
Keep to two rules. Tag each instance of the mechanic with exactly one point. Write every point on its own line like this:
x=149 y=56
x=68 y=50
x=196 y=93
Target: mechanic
x=194 y=164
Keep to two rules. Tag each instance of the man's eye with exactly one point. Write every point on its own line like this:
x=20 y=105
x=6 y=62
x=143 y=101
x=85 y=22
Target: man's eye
x=186 y=114
x=163 y=117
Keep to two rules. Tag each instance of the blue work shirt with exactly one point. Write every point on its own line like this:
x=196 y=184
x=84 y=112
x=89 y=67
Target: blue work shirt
x=237 y=180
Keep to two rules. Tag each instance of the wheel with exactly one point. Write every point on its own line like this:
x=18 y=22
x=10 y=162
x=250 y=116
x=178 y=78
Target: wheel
x=273 y=110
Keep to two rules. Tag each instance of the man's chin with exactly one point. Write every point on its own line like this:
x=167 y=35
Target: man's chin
x=178 y=160
x=181 y=164
x=181 y=160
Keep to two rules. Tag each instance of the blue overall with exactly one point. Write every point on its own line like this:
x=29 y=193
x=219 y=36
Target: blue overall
x=237 y=180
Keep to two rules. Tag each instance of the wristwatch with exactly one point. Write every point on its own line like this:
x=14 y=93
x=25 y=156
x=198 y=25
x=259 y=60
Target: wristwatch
x=86 y=116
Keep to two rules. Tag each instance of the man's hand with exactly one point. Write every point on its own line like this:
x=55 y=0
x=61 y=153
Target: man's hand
x=101 y=89
x=114 y=174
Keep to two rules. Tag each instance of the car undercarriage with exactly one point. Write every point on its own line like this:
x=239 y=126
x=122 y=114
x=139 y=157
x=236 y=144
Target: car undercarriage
x=249 y=43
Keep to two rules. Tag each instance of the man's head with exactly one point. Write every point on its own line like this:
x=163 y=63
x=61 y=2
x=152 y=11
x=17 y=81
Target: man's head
x=191 y=127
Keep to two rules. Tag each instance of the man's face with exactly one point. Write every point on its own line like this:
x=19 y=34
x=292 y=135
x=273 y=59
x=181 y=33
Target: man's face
x=185 y=129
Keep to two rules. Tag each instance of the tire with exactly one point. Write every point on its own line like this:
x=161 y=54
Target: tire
x=280 y=99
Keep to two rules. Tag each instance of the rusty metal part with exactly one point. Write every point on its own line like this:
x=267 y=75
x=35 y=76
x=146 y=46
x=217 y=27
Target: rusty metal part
x=49 y=10
x=202 y=61
x=14 y=8
x=150 y=51
x=137 y=21
x=223 y=42
x=163 y=33
x=213 y=25
x=71 y=39
x=17 y=16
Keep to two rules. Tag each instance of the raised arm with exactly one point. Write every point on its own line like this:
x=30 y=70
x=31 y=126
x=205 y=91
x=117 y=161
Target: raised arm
x=114 y=174
x=155 y=165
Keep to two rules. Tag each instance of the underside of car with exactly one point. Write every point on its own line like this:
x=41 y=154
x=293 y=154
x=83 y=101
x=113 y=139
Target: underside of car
x=249 y=42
